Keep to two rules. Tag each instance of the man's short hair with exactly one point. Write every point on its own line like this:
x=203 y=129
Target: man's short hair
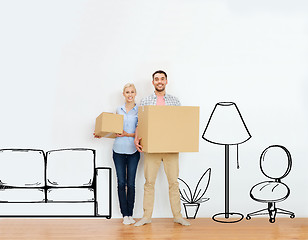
x=159 y=71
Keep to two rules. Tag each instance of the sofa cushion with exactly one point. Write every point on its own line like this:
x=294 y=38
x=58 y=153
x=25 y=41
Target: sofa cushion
x=70 y=167
x=22 y=168
x=70 y=194
x=22 y=195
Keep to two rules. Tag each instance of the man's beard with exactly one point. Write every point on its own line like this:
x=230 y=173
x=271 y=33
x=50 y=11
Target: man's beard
x=160 y=90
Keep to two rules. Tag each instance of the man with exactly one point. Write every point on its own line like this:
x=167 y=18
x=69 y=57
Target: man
x=152 y=161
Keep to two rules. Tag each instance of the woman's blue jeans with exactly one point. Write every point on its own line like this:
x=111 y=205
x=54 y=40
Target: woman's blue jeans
x=126 y=167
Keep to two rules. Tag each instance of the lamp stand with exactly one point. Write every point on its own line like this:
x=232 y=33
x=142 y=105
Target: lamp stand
x=225 y=217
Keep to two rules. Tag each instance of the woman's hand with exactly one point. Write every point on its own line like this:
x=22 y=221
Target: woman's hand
x=96 y=136
x=123 y=134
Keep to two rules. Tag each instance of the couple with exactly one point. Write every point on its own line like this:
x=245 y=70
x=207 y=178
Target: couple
x=126 y=154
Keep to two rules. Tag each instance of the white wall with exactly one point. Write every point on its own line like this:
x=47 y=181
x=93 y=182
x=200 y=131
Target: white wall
x=64 y=62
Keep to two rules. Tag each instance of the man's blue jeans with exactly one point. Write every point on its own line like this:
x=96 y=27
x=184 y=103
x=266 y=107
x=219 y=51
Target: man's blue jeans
x=126 y=167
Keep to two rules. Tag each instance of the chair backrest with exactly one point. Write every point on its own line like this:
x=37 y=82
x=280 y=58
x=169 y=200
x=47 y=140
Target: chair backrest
x=276 y=162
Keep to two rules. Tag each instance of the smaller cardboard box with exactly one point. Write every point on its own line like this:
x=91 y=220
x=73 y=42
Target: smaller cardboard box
x=168 y=129
x=108 y=125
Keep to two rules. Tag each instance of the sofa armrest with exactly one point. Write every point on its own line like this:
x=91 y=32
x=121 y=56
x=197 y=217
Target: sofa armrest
x=103 y=192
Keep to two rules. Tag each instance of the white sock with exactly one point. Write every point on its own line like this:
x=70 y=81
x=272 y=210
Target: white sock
x=182 y=221
x=142 y=221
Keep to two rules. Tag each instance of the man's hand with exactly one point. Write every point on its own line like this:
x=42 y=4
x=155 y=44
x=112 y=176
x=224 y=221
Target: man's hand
x=137 y=141
x=137 y=144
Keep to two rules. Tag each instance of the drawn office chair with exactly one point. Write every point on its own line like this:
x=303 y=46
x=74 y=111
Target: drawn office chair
x=275 y=163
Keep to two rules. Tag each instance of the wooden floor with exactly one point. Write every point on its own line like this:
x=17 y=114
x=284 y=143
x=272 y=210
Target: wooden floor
x=201 y=228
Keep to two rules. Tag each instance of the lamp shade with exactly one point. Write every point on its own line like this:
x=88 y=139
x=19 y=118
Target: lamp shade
x=226 y=125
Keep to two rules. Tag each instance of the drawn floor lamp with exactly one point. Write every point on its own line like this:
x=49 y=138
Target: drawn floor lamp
x=226 y=127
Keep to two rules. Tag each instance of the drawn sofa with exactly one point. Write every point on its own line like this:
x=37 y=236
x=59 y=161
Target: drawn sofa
x=58 y=183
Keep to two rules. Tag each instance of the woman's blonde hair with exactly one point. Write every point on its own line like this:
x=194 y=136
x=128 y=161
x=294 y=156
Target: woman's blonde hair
x=129 y=85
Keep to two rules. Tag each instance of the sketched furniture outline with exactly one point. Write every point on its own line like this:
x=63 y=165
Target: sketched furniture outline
x=192 y=201
x=273 y=191
x=226 y=127
x=58 y=183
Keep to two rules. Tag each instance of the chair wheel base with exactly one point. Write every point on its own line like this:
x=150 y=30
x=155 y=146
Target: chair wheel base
x=272 y=220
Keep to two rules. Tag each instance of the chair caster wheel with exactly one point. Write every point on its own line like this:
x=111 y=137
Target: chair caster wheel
x=272 y=220
x=248 y=217
x=292 y=216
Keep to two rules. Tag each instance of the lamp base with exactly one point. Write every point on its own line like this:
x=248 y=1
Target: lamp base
x=231 y=217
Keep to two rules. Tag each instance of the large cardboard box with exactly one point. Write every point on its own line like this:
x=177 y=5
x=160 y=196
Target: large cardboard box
x=109 y=124
x=166 y=129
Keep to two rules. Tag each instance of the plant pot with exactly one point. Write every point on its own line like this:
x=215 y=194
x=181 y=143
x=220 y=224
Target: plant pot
x=191 y=210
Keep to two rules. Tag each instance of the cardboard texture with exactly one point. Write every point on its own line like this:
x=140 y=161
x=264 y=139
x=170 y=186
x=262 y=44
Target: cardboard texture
x=109 y=124
x=166 y=129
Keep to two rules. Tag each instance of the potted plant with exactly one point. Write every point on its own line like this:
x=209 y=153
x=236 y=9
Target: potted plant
x=192 y=201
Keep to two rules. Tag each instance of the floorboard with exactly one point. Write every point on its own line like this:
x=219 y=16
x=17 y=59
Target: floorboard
x=160 y=228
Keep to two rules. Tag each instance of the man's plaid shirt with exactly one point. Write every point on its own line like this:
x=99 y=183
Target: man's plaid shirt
x=152 y=99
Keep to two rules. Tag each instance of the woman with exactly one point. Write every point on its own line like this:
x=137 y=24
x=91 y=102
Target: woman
x=125 y=154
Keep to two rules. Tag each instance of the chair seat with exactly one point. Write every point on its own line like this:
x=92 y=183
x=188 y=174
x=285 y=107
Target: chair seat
x=269 y=191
